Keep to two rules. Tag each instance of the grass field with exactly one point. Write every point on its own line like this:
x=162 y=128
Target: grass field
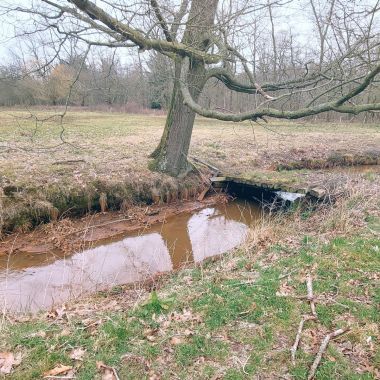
x=235 y=317
x=47 y=164
x=117 y=145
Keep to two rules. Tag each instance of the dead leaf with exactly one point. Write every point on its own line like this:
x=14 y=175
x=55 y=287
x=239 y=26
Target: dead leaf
x=150 y=334
x=136 y=358
x=331 y=358
x=285 y=290
x=38 y=334
x=153 y=376
x=8 y=360
x=175 y=340
x=65 y=332
x=77 y=353
x=108 y=373
x=58 y=313
x=248 y=266
x=60 y=369
x=188 y=332
x=166 y=324
x=89 y=322
x=186 y=316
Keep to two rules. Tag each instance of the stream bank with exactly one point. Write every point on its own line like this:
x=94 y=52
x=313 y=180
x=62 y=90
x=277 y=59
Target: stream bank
x=235 y=317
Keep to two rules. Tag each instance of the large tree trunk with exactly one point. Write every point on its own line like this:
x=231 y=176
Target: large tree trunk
x=171 y=154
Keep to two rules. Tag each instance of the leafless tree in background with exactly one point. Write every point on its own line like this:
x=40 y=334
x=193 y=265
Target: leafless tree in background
x=240 y=45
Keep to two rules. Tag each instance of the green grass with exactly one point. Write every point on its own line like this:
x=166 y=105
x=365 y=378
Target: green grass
x=219 y=319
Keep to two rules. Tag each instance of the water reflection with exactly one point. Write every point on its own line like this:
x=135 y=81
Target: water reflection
x=211 y=233
x=36 y=282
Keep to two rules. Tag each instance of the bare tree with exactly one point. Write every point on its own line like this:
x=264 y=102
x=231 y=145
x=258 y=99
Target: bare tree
x=207 y=40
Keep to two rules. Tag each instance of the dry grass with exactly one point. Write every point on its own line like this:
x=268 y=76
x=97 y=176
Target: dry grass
x=47 y=166
x=115 y=145
x=234 y=317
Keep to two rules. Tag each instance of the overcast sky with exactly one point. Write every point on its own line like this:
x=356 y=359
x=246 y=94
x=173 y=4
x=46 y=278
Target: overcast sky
x=292 y=16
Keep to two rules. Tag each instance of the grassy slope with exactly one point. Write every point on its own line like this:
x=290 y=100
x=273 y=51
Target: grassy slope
x=236 y=317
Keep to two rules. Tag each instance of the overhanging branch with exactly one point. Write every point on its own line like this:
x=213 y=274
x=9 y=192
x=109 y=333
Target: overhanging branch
x=335 y=105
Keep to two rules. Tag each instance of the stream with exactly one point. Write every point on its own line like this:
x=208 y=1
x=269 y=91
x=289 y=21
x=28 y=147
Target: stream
x=33 y=282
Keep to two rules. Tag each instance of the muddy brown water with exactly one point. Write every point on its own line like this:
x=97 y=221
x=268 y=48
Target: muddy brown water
x=32 y=282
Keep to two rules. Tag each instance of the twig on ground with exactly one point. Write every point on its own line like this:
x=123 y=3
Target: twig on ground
x=98 y=225
x=293 y=350
x=321 y=351
x=248 y=282
x=216 y=170
x=287 y=274
x=115 y=374
x=310 y=295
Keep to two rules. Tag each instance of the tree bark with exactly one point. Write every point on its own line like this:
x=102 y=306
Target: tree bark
x=171 y=154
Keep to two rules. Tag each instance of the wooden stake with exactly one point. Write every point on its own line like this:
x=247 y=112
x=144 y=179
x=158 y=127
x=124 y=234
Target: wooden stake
x=310 y=295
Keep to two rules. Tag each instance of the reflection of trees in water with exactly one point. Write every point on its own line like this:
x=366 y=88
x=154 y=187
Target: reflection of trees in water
x=147 y=254
x=177 y=239
x=239 y=211
x=129 y=260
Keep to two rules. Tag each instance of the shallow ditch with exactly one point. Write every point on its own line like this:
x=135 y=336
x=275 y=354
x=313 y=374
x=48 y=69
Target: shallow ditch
x=35 y=280
x=32 y=282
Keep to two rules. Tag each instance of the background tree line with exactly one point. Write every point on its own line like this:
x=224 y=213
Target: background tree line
x=277 y=49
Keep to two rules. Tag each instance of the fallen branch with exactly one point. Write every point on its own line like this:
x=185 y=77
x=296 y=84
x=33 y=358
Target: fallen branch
x=98 y=225
x=203 y=193
x=206 y=164
x=115 y=374
x=310 y=295
x=193 y=161
x=293 y=350
x=321 y=351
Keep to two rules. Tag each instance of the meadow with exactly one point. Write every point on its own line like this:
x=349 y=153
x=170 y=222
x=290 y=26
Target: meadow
x=232 y=317
x=48 y=162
